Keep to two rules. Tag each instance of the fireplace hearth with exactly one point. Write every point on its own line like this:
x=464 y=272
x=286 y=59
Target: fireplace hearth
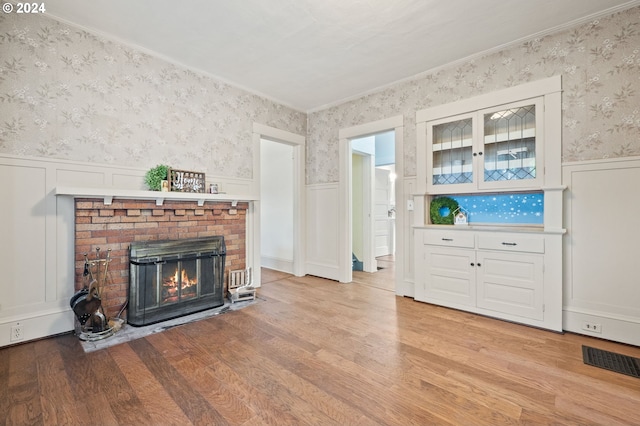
x=169 y=279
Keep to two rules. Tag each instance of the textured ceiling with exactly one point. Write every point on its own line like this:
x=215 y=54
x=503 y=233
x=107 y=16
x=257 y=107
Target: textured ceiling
x=308 y=54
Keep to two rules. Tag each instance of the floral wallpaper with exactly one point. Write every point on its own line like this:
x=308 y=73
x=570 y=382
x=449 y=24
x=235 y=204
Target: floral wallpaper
x=600 y=67
x=68 y=94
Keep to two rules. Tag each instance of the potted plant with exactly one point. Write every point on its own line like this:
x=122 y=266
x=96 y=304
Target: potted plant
x=155 y=176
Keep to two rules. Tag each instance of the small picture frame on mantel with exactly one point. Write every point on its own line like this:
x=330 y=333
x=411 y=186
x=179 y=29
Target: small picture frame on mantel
x=186 y=181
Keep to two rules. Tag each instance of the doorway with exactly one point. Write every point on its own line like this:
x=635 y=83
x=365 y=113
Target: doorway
x=276 y=205
x=345 y=217
x=373 y=200
x=295 y=153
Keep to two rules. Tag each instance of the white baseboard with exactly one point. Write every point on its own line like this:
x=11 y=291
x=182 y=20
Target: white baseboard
x=618 y=330
x=38 y=327
x=277 y=264
x=407 y=290
x=331 y=272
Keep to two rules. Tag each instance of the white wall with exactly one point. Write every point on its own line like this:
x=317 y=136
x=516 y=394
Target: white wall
x=276 y=205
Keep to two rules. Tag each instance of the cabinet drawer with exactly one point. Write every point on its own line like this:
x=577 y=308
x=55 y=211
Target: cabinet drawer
x=448 y=238
x=512 y=242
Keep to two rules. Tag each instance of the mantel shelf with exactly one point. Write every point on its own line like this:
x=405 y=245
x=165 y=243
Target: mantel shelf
x=108 y=194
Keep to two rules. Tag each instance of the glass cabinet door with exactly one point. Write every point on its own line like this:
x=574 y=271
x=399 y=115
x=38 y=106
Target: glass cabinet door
x=510 y=148
x=450 y=150
x=497 y=148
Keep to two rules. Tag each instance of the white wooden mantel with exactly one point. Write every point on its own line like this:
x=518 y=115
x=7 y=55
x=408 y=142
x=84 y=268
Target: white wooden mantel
x=109 y=194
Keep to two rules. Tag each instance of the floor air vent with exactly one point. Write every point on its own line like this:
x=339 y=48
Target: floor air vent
x=611 y=361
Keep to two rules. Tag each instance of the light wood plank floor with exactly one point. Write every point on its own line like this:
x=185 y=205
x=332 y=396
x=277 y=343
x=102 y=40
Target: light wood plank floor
x=316 y=352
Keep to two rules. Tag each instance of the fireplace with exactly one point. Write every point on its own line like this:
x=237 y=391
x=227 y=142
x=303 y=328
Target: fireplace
x=169 y=279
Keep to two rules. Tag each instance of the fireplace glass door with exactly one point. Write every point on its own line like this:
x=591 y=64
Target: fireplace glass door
x=174 y=284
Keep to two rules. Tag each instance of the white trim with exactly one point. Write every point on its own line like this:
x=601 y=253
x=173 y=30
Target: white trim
x=599 y=161
x=371 y=128
x=110 y=193
x=299 y=213
x=278 y=134
x=277 y=264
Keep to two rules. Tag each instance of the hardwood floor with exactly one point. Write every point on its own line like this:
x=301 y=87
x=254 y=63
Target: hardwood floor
x=383 y=279
x=316 y=352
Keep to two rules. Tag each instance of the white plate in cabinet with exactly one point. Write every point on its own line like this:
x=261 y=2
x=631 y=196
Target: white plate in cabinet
x=449 y=238
x=511 y=283
x=511 y=242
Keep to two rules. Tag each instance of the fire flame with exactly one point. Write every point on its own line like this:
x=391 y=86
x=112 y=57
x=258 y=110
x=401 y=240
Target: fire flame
x=183 y=277
x=171 y=292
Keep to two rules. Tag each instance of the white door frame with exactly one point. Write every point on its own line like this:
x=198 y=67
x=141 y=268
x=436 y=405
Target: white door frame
x=369 y=263
x=261 y=131
x=344 y=188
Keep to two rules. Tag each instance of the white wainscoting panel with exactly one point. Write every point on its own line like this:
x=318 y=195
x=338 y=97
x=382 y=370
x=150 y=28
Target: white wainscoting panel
x=601 y=278
x=322 y=231
x=23 y=227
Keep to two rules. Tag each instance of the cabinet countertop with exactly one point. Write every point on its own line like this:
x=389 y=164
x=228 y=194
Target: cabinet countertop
x=493 y=228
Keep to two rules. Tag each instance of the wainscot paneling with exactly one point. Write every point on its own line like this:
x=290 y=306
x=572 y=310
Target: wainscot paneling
x=36 y=254
x=601 y=284
x=322 y=231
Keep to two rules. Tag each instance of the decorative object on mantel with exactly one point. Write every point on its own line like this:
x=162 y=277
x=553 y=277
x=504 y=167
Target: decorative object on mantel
x=186 y=181
x=442 y=210
x=461 y=216
x=240 y=285
x=155 y=176
x=213 y=188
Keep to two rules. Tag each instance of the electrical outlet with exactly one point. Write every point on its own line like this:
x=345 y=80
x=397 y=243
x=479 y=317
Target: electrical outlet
x=16 y=333
x=592 y=327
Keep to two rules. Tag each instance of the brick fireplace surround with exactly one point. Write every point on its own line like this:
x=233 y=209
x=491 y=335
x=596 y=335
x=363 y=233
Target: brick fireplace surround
x=116 y=225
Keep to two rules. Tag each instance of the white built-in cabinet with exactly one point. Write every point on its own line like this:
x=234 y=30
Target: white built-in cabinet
x=493 y=273
x=503 y=142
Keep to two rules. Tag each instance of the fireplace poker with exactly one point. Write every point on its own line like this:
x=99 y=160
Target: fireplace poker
x=98 y=268
x=107 y=260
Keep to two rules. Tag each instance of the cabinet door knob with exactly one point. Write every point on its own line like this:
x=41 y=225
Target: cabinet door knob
x=480 y=153
x=479 y=264
x=473 y=264
x=475 y=154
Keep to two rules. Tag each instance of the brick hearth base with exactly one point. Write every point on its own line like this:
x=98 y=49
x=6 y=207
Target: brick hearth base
x=116 y=225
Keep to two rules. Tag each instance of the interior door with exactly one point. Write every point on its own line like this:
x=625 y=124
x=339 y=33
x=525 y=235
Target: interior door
x=383 y=214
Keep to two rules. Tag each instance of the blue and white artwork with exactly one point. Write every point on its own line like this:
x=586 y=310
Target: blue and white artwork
x=503 y=208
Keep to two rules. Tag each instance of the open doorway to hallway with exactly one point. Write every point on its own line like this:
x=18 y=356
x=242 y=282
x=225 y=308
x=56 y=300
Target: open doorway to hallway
x=373 y=201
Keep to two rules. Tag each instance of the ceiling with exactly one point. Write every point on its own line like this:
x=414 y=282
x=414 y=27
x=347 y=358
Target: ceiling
x=309 y=54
